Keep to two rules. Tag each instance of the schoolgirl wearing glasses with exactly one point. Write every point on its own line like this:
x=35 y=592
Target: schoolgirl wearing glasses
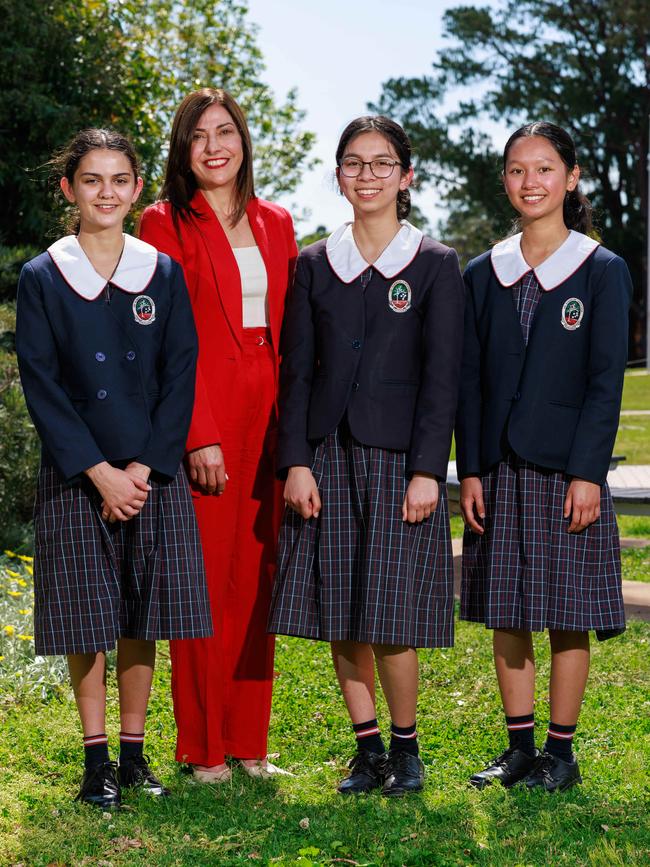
x=368 y=384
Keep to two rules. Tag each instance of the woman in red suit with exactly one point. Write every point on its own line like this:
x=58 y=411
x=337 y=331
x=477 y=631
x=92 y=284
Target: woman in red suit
x=237 y=253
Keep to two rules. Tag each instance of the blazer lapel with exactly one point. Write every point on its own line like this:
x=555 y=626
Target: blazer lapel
x=224 y=264
x=273 y=272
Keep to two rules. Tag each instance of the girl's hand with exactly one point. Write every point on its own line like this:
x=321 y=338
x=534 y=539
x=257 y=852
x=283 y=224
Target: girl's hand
x=208 y=470
x=421 y=498
x=582 y=504
x=301 y=492
x=123 y=496
x=134 y=470
x=472 y=506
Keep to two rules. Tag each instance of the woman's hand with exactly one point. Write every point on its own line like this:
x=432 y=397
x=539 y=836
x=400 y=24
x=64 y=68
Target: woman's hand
x=123 y=496
x=301 y=492
x=208 y=470
x=582 y=504
x=421 y=498
x=472 y=506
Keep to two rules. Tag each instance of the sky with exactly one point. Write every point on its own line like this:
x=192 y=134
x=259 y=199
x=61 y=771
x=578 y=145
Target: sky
x=338 y=53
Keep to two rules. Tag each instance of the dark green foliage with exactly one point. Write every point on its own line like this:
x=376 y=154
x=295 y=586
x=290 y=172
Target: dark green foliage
x=12 y=260
x=583 y=65
x=19 y=446
x=126 y=64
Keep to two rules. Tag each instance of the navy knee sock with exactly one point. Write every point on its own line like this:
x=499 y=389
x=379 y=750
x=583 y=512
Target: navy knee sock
x=131 y=745
x=368 y=737
x=521 y=732
x=404 y=738
x=95 y=750
x=559 y=741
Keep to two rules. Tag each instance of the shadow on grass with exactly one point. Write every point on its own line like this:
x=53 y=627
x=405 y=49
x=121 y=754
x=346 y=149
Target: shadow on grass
x=303 y=821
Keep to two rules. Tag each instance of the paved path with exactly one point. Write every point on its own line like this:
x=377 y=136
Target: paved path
x=636 y=594
x=635 y=412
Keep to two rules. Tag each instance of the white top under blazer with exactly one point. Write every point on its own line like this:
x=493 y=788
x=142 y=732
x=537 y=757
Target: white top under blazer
x=254 y=286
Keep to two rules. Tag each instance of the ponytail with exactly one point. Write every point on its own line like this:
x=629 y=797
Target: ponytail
x=403 y=204
x=577 y=212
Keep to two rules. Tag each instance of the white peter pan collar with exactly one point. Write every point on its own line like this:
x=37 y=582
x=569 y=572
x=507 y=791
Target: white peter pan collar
x=133 y=274
x=510 y=266
x=347 y=262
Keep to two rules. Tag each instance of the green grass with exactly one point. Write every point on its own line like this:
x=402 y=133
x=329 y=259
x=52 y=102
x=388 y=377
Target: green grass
x=636 y=564
x=636 y=391
x=602 y=823
x=631 y=526
x=633 y=439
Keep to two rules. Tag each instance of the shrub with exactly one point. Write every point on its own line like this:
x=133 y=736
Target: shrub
x=23 y=674
x=12 y=260
x=19 y=446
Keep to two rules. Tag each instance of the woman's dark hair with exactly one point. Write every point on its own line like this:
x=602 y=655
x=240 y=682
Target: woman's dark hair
x=180 y=184
x=66 y=161
x=577 y=207
x=393 y=133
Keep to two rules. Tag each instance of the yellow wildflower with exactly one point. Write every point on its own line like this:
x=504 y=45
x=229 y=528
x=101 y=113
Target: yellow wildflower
x=1 y=658
x=14 y=593
x=21 y=583
x=9 y=553
x=26 y=637
x=24 y=558
x=25 y=611
x=29 y=570
x=13 y=574
x=9 y=629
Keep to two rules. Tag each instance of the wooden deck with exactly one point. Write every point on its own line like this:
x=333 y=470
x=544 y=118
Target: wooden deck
x=630 y=487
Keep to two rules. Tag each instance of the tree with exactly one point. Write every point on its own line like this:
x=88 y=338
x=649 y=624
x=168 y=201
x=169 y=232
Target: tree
x=127 y=64
x=584 y=65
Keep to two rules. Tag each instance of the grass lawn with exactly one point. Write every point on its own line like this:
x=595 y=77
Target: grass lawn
x=633 y=439
x=636 y=390
x=302 y=821
x=636 y=564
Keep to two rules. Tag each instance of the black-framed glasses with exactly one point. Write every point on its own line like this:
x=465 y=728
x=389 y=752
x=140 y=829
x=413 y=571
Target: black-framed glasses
x=351 y=167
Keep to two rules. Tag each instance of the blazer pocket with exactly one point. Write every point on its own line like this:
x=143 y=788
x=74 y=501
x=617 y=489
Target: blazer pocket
x=565 y=403
x=401 y=382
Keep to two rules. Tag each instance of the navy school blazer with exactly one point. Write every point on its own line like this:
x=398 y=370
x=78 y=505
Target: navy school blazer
x=555 y=402
x=107 y=369
x=381 y=344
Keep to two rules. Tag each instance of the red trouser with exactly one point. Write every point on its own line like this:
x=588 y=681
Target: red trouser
x=222 y=685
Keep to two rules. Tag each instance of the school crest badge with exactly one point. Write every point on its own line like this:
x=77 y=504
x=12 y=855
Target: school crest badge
x=144 y=310
x=572 y=312
x=399 y=296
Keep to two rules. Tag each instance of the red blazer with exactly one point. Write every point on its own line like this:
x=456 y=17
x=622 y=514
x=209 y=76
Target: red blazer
x=214 y=284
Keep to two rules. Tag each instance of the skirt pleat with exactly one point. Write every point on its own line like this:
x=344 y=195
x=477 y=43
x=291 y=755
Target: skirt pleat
x=527 y=572
x=358 y=572
x=95 y=582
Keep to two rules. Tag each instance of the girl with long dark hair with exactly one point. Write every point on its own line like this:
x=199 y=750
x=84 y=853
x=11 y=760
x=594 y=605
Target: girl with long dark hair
x=544 y=355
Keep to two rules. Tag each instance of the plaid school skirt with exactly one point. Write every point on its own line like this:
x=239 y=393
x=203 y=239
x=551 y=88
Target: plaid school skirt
x=358 y=572
x=527 y=572
x=95 y=582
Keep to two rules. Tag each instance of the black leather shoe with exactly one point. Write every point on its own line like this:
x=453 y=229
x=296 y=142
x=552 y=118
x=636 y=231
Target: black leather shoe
x=136 y=773
x=403 y=773
x=367 y=773
x=553 y=773
x=100 y=787
x=508 y=768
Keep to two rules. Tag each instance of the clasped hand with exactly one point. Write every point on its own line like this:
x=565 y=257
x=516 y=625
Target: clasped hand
x=124 y=492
